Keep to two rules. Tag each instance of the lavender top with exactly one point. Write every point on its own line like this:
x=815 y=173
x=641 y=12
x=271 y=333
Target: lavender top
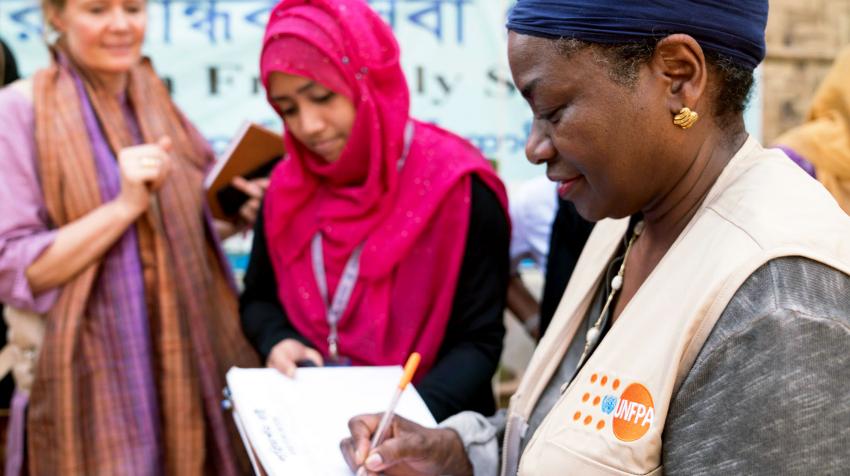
x=116 y=306
x=798 y=159
x=24 y=225
x=116 y=311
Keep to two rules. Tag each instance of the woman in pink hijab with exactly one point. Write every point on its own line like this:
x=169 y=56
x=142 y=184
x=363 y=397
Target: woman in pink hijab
x=380 y=235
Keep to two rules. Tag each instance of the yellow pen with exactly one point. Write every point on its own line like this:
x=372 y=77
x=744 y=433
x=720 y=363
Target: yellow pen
x=407 y=376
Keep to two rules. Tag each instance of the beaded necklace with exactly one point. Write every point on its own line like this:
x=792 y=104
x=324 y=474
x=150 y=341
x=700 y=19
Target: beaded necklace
x=593 y=334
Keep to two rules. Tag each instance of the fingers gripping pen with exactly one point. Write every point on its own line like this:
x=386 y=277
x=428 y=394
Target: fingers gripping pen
x=407 y=376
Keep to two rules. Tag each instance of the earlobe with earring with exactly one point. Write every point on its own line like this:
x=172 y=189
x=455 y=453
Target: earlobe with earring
x=686 y=118
x=50 y=35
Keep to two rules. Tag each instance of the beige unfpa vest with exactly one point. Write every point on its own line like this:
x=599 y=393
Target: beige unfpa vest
x=610 y=419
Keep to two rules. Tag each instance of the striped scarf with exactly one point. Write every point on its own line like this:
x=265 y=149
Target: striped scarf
x=80 y=421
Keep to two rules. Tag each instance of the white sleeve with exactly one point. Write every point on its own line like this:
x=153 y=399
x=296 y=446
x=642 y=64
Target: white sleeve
x=480 y=437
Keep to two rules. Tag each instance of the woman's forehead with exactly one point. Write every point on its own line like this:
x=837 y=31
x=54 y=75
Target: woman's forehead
x=528 y=57
x=537 y=64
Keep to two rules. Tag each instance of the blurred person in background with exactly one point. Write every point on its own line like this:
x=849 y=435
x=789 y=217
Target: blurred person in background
x=570 y=232
x=8 y=74
x=380 y=234
x=821 y=145
x=532 y=209
x=121 y=310
x=548 y=231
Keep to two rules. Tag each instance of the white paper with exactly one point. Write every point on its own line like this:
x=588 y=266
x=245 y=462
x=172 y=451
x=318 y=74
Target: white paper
x=295 y=425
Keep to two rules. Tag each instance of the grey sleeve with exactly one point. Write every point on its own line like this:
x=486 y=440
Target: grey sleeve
x=481 y=438
x=768 y=394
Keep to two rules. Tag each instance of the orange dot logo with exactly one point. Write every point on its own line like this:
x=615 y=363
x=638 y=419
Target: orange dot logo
x=634 y=413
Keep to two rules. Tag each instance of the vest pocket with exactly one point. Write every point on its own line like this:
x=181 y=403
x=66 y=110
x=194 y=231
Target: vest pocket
x=552 y=457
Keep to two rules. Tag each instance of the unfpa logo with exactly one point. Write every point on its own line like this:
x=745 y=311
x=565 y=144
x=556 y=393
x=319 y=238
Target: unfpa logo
x=633 y=413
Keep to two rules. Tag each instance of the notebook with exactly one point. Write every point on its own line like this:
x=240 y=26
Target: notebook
x=294 y=426
x=251 y=154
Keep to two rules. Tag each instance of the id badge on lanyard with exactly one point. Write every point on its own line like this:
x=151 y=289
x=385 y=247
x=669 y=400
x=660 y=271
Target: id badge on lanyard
x=335 y=308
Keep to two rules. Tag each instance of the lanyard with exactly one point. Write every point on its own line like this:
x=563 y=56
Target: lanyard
x=334 y=308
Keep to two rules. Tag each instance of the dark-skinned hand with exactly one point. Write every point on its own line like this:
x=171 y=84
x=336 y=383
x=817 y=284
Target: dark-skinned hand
x=407 y=449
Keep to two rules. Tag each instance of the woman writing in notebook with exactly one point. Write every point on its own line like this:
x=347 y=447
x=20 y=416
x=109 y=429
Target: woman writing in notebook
x=105 y=243
x=709 y=308
x=380 y=235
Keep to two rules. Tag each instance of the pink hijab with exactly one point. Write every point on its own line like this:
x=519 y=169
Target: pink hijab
x=411 y=220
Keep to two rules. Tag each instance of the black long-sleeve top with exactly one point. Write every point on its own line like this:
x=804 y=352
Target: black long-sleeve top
x=8 y=67
x=472 y=345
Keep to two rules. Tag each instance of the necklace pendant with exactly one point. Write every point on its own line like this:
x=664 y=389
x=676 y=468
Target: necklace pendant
x=617 y=283
x=592 y=336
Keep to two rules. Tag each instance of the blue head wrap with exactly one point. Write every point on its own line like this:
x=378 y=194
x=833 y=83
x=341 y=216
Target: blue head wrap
x=734 y=28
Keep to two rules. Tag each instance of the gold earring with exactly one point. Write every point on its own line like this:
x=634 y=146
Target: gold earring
x=686 y=118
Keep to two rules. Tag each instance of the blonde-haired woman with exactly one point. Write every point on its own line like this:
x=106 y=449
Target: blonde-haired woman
x=103 y=231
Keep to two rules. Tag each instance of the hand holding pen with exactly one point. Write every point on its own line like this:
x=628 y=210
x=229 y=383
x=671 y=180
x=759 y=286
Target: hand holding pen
x=392 y=445
x=406 y=377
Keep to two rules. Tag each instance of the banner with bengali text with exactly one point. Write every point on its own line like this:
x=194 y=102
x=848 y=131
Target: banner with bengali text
x=453 y=53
